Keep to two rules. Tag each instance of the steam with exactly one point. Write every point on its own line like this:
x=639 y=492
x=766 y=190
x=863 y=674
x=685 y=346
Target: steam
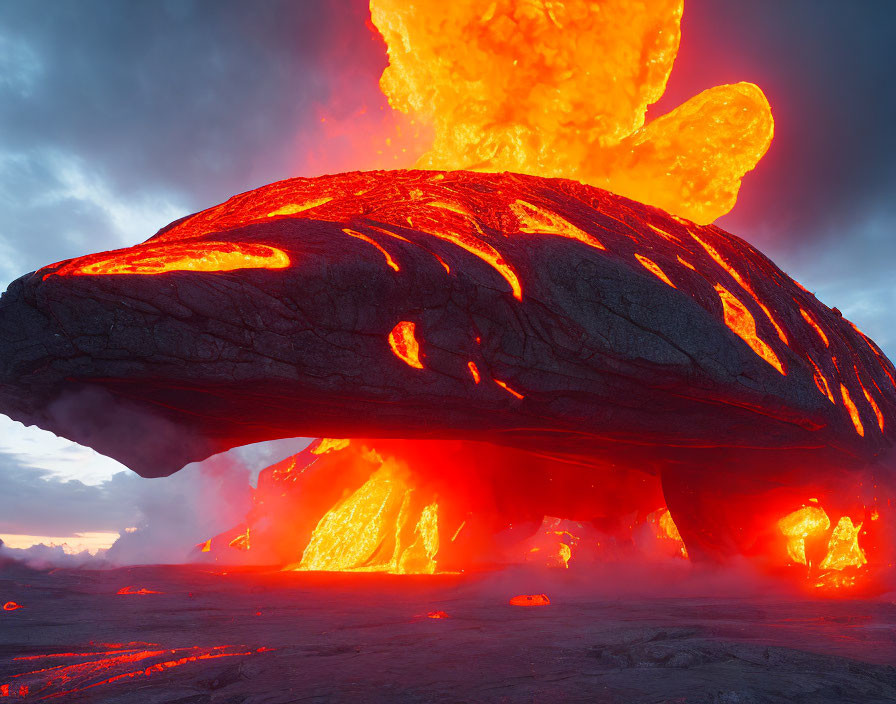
x=161 y=520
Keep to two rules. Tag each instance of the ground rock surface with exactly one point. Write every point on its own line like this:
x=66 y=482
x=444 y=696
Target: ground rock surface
x=335 y=638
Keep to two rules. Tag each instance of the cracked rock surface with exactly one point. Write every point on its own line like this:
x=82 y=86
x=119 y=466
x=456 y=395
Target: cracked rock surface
x=337 y=639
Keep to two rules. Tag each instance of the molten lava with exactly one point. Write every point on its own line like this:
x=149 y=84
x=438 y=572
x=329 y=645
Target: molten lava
x=381 y=527
x=404 y=344
x=562 y=89
x=842 y=558
x=530 y=600
x=185 y=256
x=131 y=590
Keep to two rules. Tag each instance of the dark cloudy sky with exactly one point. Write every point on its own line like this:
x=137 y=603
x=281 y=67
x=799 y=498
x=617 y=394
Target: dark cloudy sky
x=117 y=116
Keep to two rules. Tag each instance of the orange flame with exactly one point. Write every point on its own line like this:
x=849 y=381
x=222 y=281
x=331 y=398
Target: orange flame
x=12 y=606
x=535 y=220
x=843 y=548
x=735 y=274
x=404 y=344
x=872 y=403
x=562 y=89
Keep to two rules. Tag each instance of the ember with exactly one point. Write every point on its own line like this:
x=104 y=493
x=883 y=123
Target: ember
x=530 y=600
x=11 y=606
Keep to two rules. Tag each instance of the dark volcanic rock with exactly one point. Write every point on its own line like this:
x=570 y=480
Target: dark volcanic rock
x=602 y=332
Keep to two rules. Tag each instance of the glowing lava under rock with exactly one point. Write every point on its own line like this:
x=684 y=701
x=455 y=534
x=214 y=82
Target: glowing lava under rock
x=497 y=347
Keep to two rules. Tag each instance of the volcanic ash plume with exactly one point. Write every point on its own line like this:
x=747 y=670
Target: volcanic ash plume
x=561 y=89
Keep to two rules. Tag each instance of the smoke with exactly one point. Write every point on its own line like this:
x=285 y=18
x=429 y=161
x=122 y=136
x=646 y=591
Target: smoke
x=159 y=520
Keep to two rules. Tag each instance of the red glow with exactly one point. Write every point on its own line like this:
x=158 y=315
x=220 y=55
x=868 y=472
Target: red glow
x=404 y=344
x=108 y=667
x=131 y=590
x=12 y=606
x=530 y=600
x=437 y=614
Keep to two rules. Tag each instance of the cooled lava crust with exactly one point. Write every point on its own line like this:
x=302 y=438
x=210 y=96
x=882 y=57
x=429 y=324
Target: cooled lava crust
x=539 y=314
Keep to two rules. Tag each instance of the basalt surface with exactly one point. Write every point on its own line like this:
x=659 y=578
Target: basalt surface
x=538 y=314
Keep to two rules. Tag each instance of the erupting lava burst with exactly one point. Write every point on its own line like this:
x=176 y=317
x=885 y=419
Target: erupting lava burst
x=562 y=89
x=484 y=350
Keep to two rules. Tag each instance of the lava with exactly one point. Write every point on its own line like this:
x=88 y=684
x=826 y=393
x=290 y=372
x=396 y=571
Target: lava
x=100 y=669
x=404 y=344
x=562 y=89
x=742 y=324
x=842 y=559
x=132 y=591
x=530 y=600
x=181 y=256
x=369 y=530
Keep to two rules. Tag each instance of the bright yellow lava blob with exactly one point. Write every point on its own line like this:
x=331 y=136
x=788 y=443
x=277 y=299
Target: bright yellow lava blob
x=562 y=88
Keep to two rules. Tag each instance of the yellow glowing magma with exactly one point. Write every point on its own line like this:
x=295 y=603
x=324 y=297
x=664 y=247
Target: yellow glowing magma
x=799 y=525
x=843 y=549
x=562 y=89
x=369 y=530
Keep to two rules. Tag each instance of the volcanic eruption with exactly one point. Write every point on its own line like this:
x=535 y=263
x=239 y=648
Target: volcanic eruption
x=479 y=350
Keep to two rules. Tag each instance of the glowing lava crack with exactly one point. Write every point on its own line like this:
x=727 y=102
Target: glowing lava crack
x=586 y=355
